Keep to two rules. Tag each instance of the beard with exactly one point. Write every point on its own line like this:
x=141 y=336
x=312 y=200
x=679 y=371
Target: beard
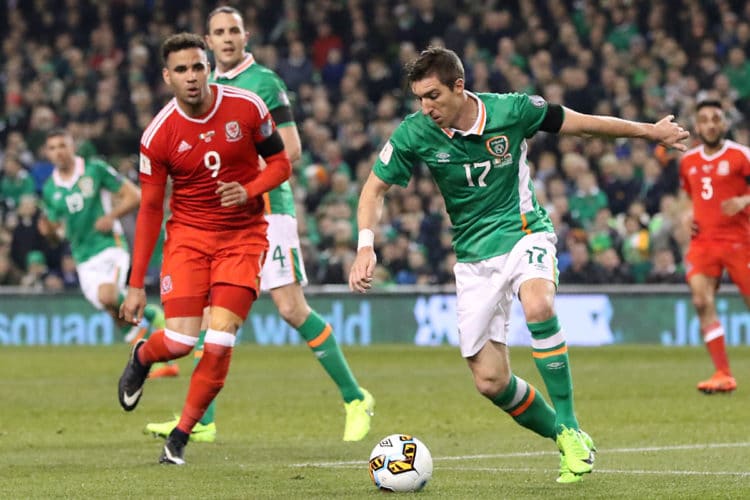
x=711 y=143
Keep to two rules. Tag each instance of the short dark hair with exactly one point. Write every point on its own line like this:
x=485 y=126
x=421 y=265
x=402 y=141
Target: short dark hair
x=56 y=132
x=708 y=103
x=181 y=41
x=438 y=61
x=224 y=9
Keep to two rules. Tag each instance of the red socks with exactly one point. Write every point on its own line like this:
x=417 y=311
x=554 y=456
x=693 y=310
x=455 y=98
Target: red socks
x=208 y=377
x=713 y=336
x=164 y=345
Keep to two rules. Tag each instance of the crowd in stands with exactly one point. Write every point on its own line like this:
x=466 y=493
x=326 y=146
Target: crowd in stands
x=93 y=67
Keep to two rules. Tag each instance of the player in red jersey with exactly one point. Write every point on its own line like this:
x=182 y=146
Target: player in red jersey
x=207 y=139
x=715 y=175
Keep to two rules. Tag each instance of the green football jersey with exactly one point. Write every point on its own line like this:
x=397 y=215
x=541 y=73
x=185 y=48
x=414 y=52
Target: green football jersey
x=250 y=75
x=79 y=201
x=483 y=175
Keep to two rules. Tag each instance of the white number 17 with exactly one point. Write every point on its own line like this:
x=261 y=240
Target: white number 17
x=486 y=165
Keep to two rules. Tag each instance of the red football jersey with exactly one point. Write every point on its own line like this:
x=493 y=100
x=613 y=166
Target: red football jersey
x=709 y=180
x=199 y=152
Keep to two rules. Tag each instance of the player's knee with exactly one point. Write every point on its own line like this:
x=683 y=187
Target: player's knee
x=491 y=386
x=293 y=313
x=702 y=303
x=538 y=310
x=107 y=295
x=223 y=324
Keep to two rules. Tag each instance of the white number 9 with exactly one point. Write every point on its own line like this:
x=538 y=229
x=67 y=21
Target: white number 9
x=212 y=161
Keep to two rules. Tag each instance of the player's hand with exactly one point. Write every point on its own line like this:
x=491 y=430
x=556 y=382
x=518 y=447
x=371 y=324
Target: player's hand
x=670 y=133
x=104 y=224
x=362 y=270
x=232 y=194
x=733 y=206
x=133 y=306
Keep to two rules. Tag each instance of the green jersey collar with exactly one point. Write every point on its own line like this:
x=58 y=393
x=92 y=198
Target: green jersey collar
x=78 y=168
x=233 y=73
x=479 y=124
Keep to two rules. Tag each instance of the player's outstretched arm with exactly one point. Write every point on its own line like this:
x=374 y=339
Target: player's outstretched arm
x=129 y=197
x=147 y=229
x=666 y=131
x=368 y=214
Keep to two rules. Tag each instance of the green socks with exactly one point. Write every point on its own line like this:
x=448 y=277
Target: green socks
x=551 y=357
x=527 y=406
x=317 y=334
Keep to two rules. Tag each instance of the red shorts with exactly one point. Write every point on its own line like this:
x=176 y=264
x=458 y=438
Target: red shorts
x=711 y=258
x=196 y=260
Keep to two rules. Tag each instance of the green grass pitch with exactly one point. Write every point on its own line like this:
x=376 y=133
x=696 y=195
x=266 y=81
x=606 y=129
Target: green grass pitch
x=63 y=434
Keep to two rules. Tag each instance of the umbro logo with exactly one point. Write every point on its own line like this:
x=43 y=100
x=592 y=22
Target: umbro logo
x=184 y=146
x=443 y=157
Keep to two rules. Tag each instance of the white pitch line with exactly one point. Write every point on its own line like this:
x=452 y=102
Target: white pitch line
x=705 y=446
x=611 y=471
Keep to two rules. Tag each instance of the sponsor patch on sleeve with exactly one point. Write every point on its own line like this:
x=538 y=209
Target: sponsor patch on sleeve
x=537 y=101
x=386 y=152
x=266 y=129
x=145 y=165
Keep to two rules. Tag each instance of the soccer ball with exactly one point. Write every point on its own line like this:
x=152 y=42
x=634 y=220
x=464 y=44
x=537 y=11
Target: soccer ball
x=400 y=462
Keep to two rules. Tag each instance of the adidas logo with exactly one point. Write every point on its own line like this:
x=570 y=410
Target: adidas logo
x=184 y=146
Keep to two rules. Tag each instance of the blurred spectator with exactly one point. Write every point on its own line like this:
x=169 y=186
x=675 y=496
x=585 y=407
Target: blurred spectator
x=587 y=200
x=337 y=258
x=10 y=275
x=614 y=270
x=624 y=188
x=36 y=271
x=95 y=70
x=636 y=248
x=602 y=234
x=68 y=272
x=296 y=68
x=325 y=41
x=664 y=269
x=26 y=237
x=582 y=270
x=15 y=182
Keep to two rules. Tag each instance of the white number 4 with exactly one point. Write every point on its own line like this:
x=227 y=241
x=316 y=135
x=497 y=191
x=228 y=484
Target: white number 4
x=212 y=161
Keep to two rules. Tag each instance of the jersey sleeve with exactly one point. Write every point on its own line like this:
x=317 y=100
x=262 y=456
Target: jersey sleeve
x=531 y=110
x=111 y=179
x=396 y=160
x=151 y=168
x=274 y=93
x=262 y=125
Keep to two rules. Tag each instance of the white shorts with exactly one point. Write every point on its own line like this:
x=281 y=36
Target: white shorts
x=108 y=266
x=284 y=264
x=485 y=289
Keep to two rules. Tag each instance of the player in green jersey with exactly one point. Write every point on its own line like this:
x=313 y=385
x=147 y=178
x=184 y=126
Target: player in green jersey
x=283 y=273
x=79 y=205
x=475 y=148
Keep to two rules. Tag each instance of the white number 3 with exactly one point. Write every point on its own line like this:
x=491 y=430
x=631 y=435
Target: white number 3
x=212 y=161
